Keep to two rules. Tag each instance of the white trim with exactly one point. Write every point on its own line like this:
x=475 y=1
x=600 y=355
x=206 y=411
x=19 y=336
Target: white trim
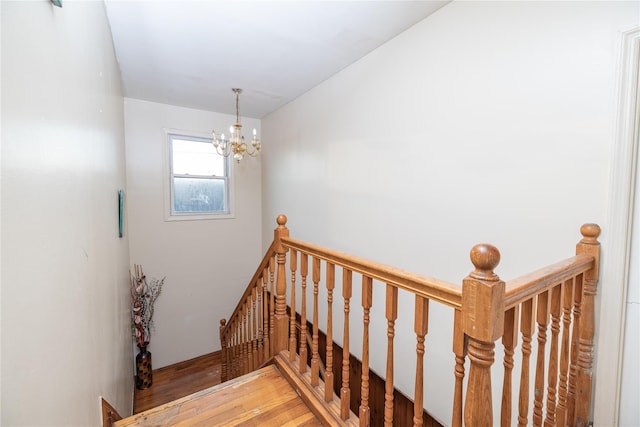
x=617 y=239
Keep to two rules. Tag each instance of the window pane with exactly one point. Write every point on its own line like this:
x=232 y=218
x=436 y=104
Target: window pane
x=199 y=195
x=196 y=158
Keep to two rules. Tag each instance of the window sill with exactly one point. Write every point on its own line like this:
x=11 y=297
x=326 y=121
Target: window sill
x=197 y=217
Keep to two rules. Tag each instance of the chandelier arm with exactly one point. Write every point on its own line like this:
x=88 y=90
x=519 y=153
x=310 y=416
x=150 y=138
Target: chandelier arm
x=225 y=150
x=252 y=150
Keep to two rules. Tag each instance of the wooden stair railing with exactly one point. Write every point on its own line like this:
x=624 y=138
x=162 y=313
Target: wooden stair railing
x=245 y=339
x=560 y=296
x=563 y=293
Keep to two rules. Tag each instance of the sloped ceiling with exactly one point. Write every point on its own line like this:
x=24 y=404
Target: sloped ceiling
x=191 y=53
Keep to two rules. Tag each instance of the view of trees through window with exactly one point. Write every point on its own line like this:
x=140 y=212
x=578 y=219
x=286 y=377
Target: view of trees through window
x=198 y=195
x=199 y=177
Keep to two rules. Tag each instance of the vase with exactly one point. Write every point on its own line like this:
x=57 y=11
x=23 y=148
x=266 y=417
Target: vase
x=144 y=378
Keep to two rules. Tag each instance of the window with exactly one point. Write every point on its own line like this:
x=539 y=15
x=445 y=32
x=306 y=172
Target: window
x=199 y=178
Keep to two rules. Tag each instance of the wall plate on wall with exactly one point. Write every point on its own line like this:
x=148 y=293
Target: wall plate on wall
x=120 y=213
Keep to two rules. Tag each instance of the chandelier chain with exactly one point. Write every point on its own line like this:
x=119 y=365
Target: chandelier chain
x=237 y=107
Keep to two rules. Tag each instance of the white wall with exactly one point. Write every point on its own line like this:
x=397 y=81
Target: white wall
x=207 y=263
x=65 y=306
x=488 y=121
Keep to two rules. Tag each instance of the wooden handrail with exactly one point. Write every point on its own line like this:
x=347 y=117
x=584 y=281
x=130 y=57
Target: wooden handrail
x=424 y=286
x=524 y=287
x=247 y=293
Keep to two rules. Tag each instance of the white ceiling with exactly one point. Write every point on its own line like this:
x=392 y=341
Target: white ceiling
x=192 y=52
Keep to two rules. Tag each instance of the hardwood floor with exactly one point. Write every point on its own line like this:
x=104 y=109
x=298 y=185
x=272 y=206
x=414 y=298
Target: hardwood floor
x=260 y=398
x=179 y=380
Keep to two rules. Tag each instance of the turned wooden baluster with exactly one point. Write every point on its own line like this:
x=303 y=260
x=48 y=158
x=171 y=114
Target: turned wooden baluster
x=483 y=322
x=234 y=357
x=589 y=245
x=552 y=381
x=236 y=348
x=239 y=344
x=233 y=354
x=272 y=305
x=538 y=390
x=223 y=351
x=367 y=299
x=460 y=352
x=345 y=391
x=293 y=264
x=315 y=359
x=573 y=364
x=266 y=315
x=328 y=369
x=561 y=410
x=304 y=270
x=241 y=348
x=259 y=290
x=420 y=327
x=246 y=345
x=246 y=338
x=392 y=315
x=254 y=335
x=230 y=349
x=527 y=326
x=509 y=342
x=279 y=340
x=248 y=332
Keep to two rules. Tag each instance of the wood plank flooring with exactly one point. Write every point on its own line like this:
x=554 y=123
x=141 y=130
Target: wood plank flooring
x=179 y=380
x=260 y=398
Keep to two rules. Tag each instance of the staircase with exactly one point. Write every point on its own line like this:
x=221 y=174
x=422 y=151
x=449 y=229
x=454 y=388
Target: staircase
x=266 y=337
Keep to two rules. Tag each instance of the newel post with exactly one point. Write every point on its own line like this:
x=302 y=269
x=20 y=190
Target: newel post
x=483 y=323
x=280 y=336
x=589 y=245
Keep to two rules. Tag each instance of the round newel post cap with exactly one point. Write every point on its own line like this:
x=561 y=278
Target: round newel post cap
x=590 y=232
x=485 y=259
x=281 y=220
x=223 y=323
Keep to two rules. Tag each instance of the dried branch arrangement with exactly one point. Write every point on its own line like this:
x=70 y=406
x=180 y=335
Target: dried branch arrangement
x=144 y=294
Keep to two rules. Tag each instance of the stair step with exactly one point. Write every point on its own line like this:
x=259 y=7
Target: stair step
x=262 y=397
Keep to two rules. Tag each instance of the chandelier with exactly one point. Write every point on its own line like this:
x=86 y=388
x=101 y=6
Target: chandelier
x=235 y=144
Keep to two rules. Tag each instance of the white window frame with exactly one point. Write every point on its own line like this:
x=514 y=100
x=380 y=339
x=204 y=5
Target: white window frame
x=168 y=175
